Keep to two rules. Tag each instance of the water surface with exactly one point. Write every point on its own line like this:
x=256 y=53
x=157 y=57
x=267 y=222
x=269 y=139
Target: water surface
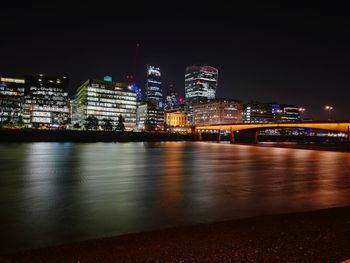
x=53 y=193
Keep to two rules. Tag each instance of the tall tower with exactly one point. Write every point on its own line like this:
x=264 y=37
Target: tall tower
x=171 y=102
x=154 y=92
x=200 y=84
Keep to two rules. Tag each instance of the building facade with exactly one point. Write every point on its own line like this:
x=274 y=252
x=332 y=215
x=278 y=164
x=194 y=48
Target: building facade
x=105 y=100
x=200 y=84
x=149 y=117
x=11 y=100
x=256 y=112
x=171 y=101
x=176 y=119
x=290 y=113
x=219 y=111
x=46 y=103
x=154 y=92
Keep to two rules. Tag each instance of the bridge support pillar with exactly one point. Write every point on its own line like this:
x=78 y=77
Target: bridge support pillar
x=232 y=137
x=219 y=137
x=348 y=141
x=256 y=137
x=200 y=138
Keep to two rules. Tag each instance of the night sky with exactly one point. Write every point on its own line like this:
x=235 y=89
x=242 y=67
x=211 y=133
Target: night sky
x=293 y=53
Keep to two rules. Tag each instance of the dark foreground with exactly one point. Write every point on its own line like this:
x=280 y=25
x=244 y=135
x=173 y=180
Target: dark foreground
x=318 y=236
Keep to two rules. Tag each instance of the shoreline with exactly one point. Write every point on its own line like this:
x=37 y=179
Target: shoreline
x=30 y=135
x=321 y=236
x=78 y=136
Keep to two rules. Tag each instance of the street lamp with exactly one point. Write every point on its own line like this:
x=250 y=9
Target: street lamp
x=329 y=109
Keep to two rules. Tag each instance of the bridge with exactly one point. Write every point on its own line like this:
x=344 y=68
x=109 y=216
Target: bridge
x=329 y=126
x=338 y=126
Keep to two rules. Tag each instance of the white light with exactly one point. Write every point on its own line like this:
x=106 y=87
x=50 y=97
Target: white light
x=12 y=80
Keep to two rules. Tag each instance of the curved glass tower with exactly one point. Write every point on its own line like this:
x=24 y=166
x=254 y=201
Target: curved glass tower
x=200 y=84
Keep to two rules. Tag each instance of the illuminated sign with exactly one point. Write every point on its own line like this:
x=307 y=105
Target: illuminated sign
x=107 y=78
x=12 y=80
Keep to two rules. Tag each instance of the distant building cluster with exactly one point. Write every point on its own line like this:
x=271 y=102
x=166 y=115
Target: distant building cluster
x=42 y=102
x=34 y=101
x=256 y=112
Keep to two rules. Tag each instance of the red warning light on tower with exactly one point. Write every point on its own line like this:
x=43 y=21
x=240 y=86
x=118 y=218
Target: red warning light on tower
x=129 y=78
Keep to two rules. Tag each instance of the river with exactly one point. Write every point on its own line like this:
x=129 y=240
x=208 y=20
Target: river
x=55 y=193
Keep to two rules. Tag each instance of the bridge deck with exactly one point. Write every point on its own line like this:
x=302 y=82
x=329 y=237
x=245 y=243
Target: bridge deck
x=331 y=126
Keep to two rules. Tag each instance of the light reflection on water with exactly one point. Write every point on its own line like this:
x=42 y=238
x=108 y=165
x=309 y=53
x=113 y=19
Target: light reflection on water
x=53 y=193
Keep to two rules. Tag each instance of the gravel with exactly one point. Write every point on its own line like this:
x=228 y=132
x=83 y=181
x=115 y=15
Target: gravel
x=316 y=236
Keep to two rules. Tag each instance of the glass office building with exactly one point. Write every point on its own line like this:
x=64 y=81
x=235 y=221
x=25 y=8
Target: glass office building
x=256 y=112
x=154 y=92
x=200 y=83
x=171 y=101
x=11 y=100
x=46 y=103
x=149 y=114
x=290 y=113
x=104 y=99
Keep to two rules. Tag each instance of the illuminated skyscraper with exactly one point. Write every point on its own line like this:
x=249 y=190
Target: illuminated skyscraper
x=154 y=92
x=171 y=102
x=200 y=84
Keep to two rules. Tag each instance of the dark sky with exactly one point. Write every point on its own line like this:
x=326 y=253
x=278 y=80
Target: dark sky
x=293 y=53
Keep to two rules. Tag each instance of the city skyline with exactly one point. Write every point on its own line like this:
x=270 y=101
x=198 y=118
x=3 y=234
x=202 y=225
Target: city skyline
x=174 y=131
x=264 y=52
